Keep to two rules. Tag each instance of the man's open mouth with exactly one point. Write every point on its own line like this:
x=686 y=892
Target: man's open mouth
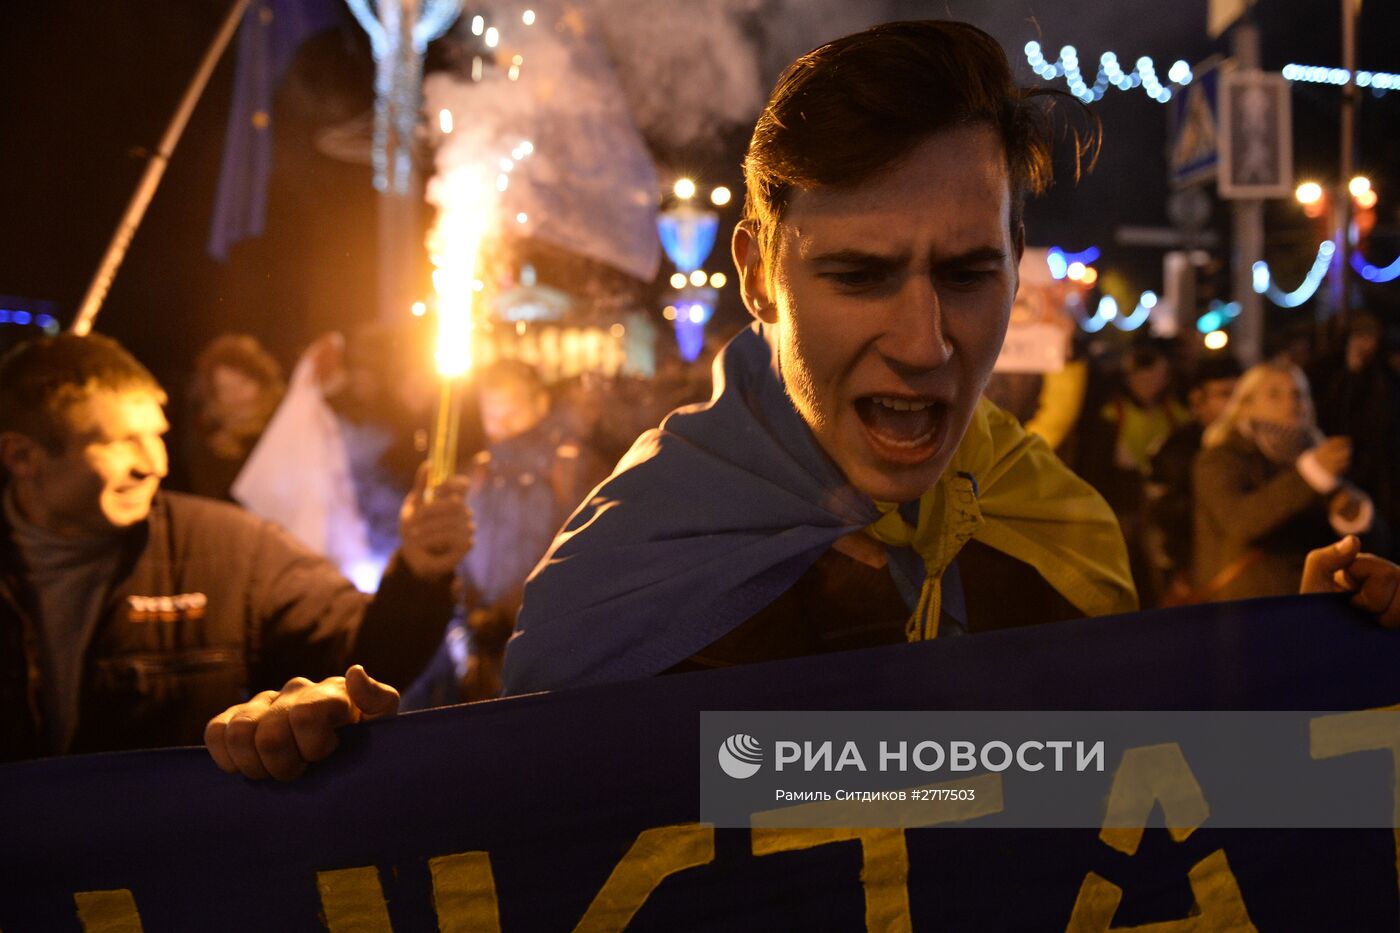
x=902 y=429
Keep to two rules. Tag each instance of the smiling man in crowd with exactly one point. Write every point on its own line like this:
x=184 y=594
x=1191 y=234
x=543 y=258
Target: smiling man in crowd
x=847 y=485
x=129 y=616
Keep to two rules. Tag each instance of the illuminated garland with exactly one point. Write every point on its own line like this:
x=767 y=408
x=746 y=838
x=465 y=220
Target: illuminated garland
x=1378 y=274
x=1107 y=312
x=1377 y=81
x=1144 y=75
x=45 y=322
x=1059 y=261
x=1263 y=279
x=1110 y=73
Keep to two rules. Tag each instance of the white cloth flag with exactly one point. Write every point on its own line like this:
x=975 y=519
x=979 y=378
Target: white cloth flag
x=298 y=476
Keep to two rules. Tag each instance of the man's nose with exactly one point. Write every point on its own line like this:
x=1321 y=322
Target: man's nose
x=916 y=338
x=151 y=458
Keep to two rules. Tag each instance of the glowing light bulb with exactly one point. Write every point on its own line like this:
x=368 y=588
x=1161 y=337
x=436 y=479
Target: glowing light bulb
x=1367 y=199
x=493 y=37
x=684 y=189
x=697 y=314
x=528 y=17
x=522 y=217
x=1075 y=271
x=669 y=312
x=678 y=280
x=698 y=277
x=445 y=120
x=419 y=309
x=718 y=280
x=1216 y=340
x=1309 y=192
x=720 y=196
x=1359 y=186
x=478 y=25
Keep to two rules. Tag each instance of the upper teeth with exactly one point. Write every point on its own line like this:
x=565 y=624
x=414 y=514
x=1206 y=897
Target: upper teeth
x=901 y=404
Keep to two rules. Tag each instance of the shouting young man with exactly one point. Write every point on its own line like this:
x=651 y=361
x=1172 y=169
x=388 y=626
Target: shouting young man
x=847 y=485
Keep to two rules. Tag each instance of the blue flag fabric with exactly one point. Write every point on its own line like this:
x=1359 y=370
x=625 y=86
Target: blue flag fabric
x=653 y=567
x=711 y=517
x=271 y=33
x=528 y=813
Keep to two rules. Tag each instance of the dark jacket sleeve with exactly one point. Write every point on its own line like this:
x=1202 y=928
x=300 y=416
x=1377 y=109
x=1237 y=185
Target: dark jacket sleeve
x=403 y=625
x=1223 y=491
x=310 y=621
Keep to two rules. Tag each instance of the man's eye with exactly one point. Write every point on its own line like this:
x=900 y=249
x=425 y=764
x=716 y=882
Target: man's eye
x=857 y=278
x=967 y=278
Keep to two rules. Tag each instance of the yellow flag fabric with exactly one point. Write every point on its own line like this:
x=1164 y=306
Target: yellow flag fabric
x=1007 y=489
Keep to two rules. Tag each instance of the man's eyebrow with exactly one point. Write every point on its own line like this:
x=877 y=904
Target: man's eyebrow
x=856 y=257
x=972 y=257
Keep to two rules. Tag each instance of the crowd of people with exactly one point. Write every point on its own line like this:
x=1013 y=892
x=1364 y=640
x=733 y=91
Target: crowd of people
x=1223 y=478
x=847 y=483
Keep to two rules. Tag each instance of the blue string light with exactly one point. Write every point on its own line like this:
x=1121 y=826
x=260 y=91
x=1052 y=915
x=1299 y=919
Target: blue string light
x=1059 y=261
x=1378 y=81
x=22 y=318
x=1378 y=274
x=1263 y=279
x=1107 y=311
x=1146 y=302
x=1143 y=75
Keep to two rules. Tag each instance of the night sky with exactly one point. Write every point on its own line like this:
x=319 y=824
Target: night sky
x=88 y=86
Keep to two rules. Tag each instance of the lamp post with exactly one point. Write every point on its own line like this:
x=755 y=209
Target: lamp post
x=688 y=236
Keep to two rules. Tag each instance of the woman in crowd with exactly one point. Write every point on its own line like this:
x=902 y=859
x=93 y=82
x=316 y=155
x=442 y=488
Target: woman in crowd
x=238 y=385
x=1269 y=488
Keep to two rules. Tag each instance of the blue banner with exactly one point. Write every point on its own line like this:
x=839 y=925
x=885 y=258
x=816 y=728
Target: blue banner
x=578 y=810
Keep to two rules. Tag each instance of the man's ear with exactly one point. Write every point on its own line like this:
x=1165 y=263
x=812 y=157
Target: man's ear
x=753 y=275
x=20 y=455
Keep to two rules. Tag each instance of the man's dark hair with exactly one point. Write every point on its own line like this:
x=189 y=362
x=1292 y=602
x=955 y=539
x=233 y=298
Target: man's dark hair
x=41 y=379
x=240 y=352
x=844 y=112
x=243 y=354
x=1215 y=367
x=1143 y=354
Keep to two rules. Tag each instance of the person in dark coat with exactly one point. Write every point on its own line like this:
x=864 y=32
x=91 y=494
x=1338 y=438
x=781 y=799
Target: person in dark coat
x=1170 y=508
x=1269 y=488
x=129 y=616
